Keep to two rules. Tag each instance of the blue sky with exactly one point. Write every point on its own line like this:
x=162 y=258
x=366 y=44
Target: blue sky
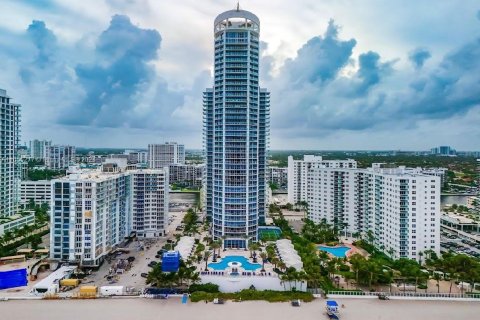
x=343 y=74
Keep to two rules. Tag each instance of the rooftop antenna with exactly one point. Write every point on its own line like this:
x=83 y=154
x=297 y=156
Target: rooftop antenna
x=238 y=5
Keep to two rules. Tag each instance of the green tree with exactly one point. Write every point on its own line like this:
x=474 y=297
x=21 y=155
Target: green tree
x=215 y=245
x=264 y=257
x=358 y=263
x=206 y=256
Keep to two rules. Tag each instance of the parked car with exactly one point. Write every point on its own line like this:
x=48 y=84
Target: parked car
x=143 y=275
x=152 y=264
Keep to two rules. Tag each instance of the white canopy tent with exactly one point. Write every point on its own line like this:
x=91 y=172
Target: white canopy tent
x=288 y=254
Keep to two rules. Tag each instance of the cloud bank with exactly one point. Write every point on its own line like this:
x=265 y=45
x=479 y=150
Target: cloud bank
x=106 y=80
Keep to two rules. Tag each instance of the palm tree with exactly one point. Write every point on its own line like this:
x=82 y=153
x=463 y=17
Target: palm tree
x=331 y=267
x=312 y=279
x=391 y=252
x=420 y=254
x=224 y=237
x=255 y=247
x=357 y=262
x=287 y=277
x=194 y=278
x=206 y=226
x=206 y=255
x=323 y=258
x=182 y=274
x=8 y=236
x=251 y=246
x=437 y=277
x=264 y=257
x=215 y=246
x=158 y=278
x=301 y=276
x=275 y=260
x=20 y=233
x=291 y=276
x=370 y=237
x=373 y=270
x=220 y=245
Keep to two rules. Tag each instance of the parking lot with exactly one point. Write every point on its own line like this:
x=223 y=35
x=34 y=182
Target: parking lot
x=452 y=242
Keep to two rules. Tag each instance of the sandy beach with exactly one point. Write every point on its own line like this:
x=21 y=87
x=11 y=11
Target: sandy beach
x=172 y=309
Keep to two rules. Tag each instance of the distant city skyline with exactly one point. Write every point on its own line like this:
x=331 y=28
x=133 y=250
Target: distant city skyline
x=362 y=75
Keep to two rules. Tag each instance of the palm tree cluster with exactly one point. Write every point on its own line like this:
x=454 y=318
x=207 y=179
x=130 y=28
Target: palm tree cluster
x=380 y=269
x=375 y=271
x=456 y=267
x=25 y=234
x=319 y=233
x=185 y=276
x=315 y=268
x=291 y=277
x=216 y=246
x=190 y=220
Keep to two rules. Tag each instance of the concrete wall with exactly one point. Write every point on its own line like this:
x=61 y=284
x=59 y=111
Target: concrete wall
x=237 y=283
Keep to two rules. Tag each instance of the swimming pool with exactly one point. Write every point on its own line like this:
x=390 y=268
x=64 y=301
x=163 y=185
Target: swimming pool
x=339 y=252
x=244 y=263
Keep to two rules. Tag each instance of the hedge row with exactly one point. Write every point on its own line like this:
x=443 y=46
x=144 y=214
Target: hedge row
x=206 y=287
x=250 y=295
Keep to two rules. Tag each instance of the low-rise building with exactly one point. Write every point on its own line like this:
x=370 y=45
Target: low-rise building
x=16 y=221
x=473 y=202
x=37 y=191
x=278 y=177
x=187 y=175
x=136 y=156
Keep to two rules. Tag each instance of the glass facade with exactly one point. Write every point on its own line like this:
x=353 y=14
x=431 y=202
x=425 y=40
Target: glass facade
x=236 y=127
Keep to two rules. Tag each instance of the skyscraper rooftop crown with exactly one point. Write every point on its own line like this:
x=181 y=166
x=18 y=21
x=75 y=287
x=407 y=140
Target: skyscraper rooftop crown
x=236 y=18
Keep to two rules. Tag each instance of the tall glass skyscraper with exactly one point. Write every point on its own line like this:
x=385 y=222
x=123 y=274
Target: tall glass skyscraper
x=236 y=130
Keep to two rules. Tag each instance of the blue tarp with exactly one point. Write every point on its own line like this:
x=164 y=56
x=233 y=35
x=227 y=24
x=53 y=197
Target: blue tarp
x=13 y=278
x=170 y=261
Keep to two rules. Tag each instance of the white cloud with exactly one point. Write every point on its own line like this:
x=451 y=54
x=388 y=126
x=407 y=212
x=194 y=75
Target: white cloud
x=392 y=29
